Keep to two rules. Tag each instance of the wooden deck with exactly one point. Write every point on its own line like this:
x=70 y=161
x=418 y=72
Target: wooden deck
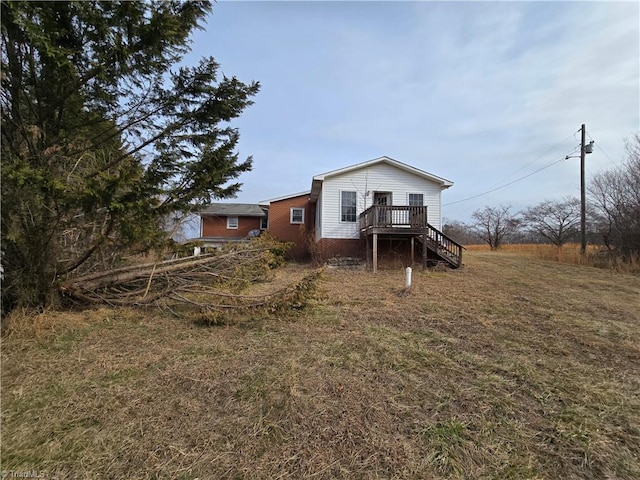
x=408 y=222
x=393 y=219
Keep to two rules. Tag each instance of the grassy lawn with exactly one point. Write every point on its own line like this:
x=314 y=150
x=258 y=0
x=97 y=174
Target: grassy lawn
x=511 y=367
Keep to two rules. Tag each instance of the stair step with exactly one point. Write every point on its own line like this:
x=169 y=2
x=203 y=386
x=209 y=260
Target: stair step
x=438 y=248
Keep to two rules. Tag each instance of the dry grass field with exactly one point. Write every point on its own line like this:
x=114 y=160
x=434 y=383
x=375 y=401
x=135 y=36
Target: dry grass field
x=569 y=253
x=512 y=367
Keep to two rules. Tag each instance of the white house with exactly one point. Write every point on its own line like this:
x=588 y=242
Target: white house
x=342 y=195
x=378 y=206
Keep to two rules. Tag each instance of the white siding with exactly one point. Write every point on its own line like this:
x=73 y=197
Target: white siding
x=376 y=178
x=319 y=217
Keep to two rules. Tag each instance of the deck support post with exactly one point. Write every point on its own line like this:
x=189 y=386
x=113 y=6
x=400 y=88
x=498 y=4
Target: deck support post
x=375 y=252
x=367 y=250
x=424 y=250
x=413 y=249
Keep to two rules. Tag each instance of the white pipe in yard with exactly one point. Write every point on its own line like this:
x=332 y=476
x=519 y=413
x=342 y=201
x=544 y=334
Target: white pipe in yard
x=407 y=283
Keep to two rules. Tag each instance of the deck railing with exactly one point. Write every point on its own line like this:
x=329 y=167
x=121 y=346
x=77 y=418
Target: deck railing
x=391 y=216
x=391 y=219
x=444 y=246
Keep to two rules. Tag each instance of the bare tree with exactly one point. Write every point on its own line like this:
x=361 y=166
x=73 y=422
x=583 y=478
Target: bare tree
x=557 y=221
x=494 y=224
x=615 y=195
x=461 y=232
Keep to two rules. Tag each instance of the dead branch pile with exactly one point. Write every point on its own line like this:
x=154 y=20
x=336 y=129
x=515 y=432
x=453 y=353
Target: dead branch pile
x=210 y=283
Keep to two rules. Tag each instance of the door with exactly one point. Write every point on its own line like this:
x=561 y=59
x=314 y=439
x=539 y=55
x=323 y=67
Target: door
x=383 y=217
x=417 y=211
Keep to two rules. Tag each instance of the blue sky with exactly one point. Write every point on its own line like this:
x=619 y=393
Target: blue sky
x=480 y=93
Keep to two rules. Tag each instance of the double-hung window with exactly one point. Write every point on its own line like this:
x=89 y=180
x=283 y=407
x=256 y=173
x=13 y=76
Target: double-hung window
x=348 y=206
x=232 y=223
x=296 y=215
x=416 y=199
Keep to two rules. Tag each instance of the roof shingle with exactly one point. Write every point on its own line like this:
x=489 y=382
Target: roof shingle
x=234 y=209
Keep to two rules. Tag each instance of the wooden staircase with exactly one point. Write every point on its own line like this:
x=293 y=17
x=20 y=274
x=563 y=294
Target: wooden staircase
x=442 y=246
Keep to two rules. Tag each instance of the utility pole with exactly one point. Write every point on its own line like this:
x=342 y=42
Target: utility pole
x=583 y=201
x=584 y=149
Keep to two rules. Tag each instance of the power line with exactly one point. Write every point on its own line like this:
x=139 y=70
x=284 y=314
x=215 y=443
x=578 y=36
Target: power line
x=613 y=162
x=508 y=184
x=538 y=158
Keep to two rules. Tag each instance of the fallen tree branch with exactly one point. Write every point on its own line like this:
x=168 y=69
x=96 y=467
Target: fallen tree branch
x=207 y=283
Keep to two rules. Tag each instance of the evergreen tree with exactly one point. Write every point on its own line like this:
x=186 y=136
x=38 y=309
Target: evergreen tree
x=103 y=136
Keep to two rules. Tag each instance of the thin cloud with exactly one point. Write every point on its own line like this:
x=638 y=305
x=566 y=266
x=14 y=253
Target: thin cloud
x=470 y=91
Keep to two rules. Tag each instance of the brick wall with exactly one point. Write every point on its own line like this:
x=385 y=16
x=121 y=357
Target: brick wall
x=214 y=226
x=280 y=225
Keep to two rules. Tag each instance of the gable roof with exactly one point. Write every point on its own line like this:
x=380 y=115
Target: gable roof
x=318 y=179
x=285 y=197
x=234 y=210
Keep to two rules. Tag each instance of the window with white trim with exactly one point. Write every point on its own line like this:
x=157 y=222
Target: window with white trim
x=348 y=206
x=296 y=215
x=416 y=199
x=264 y=223
x=232 y=223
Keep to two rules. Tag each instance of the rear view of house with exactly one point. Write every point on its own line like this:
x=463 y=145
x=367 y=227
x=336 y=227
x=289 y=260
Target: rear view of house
x=377 y=207
x=375 y=200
